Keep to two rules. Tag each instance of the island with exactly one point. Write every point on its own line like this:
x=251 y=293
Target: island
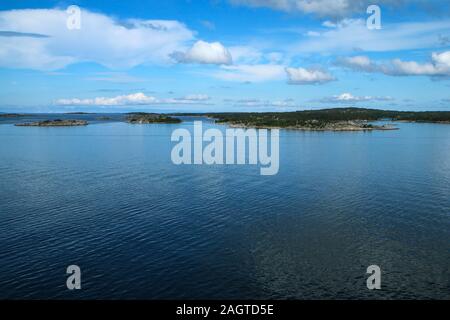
x=314 y=125
x=11 y=115
x=147 y=118
x=337 y=119
x=80 y=113
x=104 y=118
x=54 y=123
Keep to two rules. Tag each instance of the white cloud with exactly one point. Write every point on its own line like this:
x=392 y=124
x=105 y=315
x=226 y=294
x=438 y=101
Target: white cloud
x=362 y=63
x=205 y=53
x=350 y=35
x=412 y=68
x=330 y=8
x=303 y=76
x=252 y=65
x=438 y=66
x=349 y=98
x=101 y=39
x=248 y=55
x=251 y=73
x=138 y=98
x=442 y=60
x=329 y=24
x=245 y=55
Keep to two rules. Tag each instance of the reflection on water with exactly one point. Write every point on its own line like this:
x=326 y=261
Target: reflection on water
x=108 y=198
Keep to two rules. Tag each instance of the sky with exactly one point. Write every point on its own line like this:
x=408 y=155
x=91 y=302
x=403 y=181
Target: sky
x=224 y=55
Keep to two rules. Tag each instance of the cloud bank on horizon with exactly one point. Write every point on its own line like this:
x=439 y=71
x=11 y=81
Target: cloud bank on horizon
x=138 y=98
x=305 y=53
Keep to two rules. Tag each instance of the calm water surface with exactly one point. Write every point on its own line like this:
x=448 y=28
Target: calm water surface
x=108 y=198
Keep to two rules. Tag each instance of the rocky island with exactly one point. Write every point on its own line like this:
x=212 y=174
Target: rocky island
x=337 y=119
x=316 y=125
x=54 y=123
x=147 y=118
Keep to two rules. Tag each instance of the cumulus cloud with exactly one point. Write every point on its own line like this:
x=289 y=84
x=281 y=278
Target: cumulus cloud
x=412 y=68
x=439 y=66
x=39 y=39
x=329 y=8
x=349 y=98
x=303 y=76
x=205 y=53
x=361 y=63
x=138 y=98
x=251 y=73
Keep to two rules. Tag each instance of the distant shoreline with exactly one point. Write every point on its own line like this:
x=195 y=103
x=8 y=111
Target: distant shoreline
x=336 y=119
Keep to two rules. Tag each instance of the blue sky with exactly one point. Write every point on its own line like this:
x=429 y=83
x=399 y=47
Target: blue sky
x=223 y=55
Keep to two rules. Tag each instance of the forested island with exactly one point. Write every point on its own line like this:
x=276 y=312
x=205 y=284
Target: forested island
x=54 y=123
x=80 y=113
x=147 y=118
x=338 y=119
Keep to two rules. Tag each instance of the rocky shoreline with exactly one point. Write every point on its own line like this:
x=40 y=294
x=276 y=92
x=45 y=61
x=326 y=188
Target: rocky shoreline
x=331 y=126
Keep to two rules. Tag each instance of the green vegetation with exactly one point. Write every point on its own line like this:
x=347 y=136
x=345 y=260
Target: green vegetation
x=339 y=119
x=80 y=113
x=54 y=123
x=146 y=118
x=328 y=119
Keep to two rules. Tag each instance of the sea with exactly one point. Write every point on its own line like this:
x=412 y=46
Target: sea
x=108 y=198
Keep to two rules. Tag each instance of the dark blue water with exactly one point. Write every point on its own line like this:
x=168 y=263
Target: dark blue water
x=107 y=197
